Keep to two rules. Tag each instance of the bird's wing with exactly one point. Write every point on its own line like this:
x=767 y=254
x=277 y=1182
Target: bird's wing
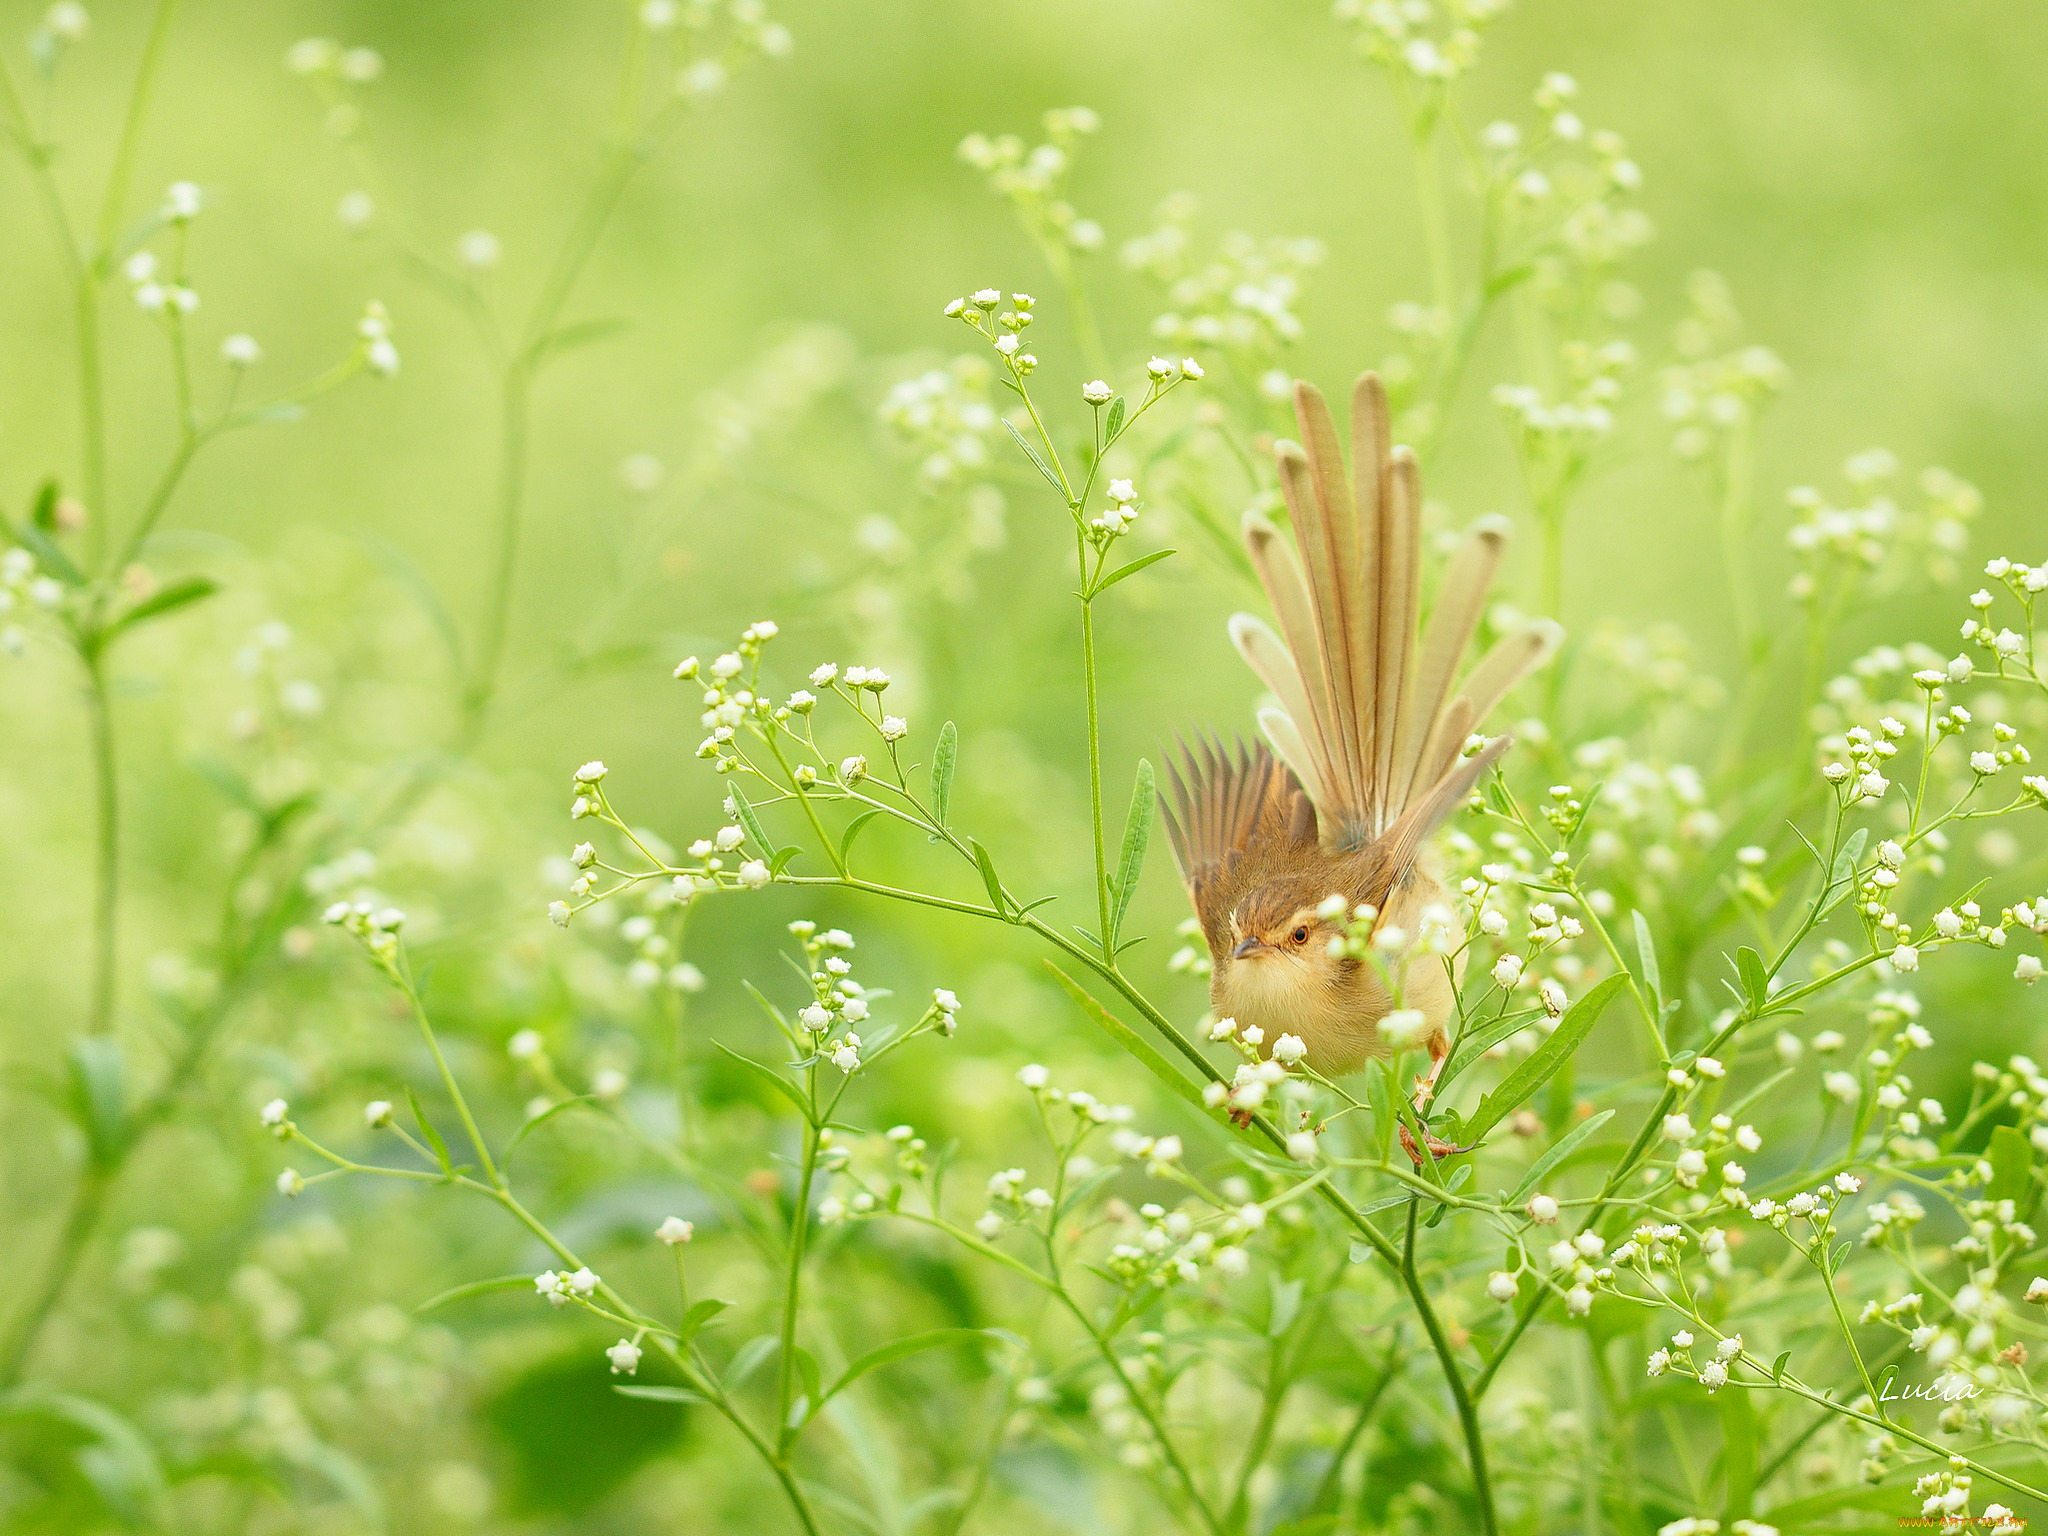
x=1234 y=816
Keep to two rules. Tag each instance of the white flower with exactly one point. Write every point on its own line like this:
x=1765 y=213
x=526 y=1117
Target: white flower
x=1682 y=1339
x=1659 y=1362
x=609 y=1084
x=846 y=1058
x=1552 y=995
x=1828 y=1041
x=753 y=874
x=1233 y=1261
x=675 y=1231
x=1501 y=1286
x=377 y=1114
x=1402 y=1029
x=1707 y=1066
x=1542 y=1210
x=1713 y=1375
x=1033 y=1077
x=1223 y=1029
x=988 y=1224
x=894 y=728
x=1734 y=1175
x=1507 y=970
x=1251 y=1034
x=1578 y=1301
x=581 y=1283
x=2028 y=970
x=382 y=358
x=241 y=351
x=624 y=1356
x=1493 y=923
x=549 y=1284
x=1289 y=1050
x=1842 y=1086
x=1301 y=1146
x=1905 y=958
x=274 y=1112
x=1729 y=1347
x=1190 y=369
x=478 y=249
x=1097 y=392
x=853 y=769
x=558 y=913
x=944 y=1000
x=1122 y=491
x=289 y=1184
x=525 y=1045
x=1678 y=1127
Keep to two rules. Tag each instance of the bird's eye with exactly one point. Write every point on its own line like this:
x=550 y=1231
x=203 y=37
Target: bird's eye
x=1300 y=935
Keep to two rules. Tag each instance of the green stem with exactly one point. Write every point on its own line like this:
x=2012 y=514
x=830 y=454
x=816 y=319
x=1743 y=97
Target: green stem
x=514 y=408
x=87 y=1201
x=1108 y=940
x=476 y=1137
x=123 y=169
x=799 y=1231
x=107 y=843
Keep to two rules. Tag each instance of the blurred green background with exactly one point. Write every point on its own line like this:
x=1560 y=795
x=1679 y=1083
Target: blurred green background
x=1871 y=180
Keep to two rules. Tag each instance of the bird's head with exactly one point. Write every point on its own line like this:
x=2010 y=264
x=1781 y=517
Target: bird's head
x=1277 y=924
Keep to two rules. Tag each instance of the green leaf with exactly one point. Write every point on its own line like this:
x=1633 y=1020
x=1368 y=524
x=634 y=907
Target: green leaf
x=48 y=555
x=1646 y=951
x=475 y=1288
x=2011 y=1168
x=178 y=594
x=1131 y=1041
x=1842 y=877
x=903 y=1349
x=96 y=1098
x=1031 y=453
x=1559 y=1151
x=43 y=512
x=747 y=819
x=1778 y=1365
x=652 y=1394
x=547 y=1114
x=1522 y=1083
x=1132 y=569
x=944 y=757
x=772 y=1078
x=427 y=1130
x=700 y=1316
x=1137 y=836
x=403 y=569
x=1478 y=1041
x=808 y=1373
x=852 y=831
x=1286 y=1306
x=988 y=878
x=1754 y=981
x=1115 y=424
x=579 y=333
x=1738 y=1456
x=747 y=1360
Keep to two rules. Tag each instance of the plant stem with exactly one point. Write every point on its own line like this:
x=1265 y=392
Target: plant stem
x=107 y=859
x=87 y=1200
x=799 y=1231
x=1108 y=940
x=476 y=1137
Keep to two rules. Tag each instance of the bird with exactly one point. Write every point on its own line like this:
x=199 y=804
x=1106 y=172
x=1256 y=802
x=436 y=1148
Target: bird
x=1365 y=752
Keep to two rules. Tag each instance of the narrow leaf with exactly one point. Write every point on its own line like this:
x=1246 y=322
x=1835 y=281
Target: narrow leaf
x=43 y=513
x=1480 y=1039
x=475 y=1288
x=2011 y=1168
x=97 y=1099
x=1754 y=982
x=1031 y=453
x=427 y=1130
x=1646 y=951
x=747 y=1360
x=1778 y=1365
x=48 y=555
x=700 y=1316
x=1132 y=569
x=988 y=878
x=1131 y=1041
x=747 y=819
x=944 y=757
x=580 y=333
x=1532 y=1074
x=545 y=1115
x=1565 y=1146
x=852 y=831
x=774 y=1079
x=166 y=600
x=1115 y=424
x=1842 y=878
x=901 y=1349
x=1137 y=835
x=652 y=1394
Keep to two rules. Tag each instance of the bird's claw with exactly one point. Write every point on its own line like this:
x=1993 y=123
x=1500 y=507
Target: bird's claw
x=1438 y=1147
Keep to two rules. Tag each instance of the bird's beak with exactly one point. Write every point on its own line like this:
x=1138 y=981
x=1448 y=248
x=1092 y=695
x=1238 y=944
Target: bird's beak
x=1248 y=947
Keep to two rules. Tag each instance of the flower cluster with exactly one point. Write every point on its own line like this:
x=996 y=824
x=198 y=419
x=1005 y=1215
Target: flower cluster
x=1237 y=300
x=1033 y=178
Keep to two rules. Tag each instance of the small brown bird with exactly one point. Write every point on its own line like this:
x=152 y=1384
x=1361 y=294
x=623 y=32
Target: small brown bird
x=1370 y=737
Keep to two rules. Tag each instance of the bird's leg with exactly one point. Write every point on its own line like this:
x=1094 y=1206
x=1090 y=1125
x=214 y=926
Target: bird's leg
x=1439 y=1053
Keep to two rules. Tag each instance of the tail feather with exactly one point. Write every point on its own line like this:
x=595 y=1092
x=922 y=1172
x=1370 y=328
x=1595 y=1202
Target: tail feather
x=1372 y=724
x=1403 y=841
x=1459 y=602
